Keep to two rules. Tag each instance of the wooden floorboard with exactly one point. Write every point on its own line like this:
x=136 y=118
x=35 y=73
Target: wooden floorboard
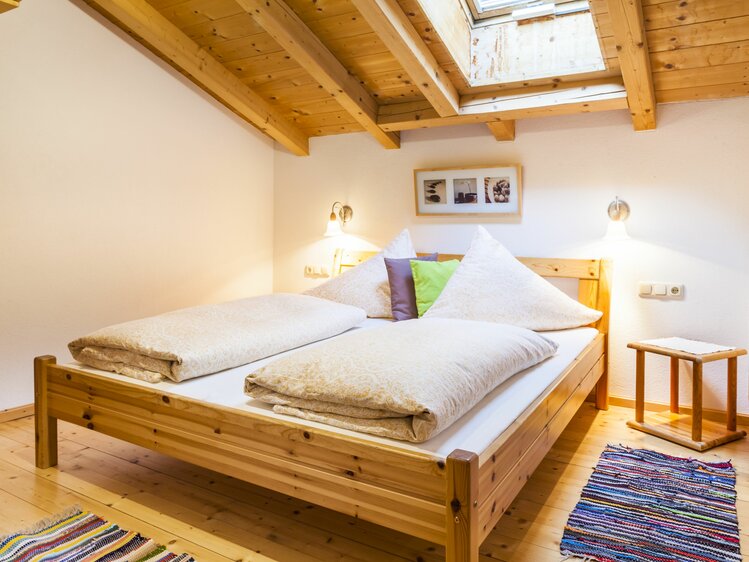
x=218 y=518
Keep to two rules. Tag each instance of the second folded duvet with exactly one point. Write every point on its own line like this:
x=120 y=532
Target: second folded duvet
x=407 y=380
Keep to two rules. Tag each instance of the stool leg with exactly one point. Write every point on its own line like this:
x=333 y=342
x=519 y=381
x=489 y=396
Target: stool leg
x=674 y=385
x=696 y=401
x=640 y=387
x=731 y=394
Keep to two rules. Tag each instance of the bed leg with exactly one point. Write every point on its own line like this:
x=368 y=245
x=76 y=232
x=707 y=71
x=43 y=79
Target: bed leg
x=462 y=544
x=602 y=391
x=45 y=425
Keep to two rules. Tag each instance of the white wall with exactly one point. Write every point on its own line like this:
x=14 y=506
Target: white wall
x=124 y=190
x=687 y=184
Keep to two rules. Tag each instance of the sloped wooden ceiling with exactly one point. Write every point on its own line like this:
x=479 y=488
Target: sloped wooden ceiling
x=698 y=49
x=303 y=68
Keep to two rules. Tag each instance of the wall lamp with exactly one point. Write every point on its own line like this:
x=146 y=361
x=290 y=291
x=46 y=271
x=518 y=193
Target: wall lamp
x=618 y=214
x=339 y=214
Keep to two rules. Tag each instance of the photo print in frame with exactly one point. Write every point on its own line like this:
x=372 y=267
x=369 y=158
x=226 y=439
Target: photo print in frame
x=469 y=191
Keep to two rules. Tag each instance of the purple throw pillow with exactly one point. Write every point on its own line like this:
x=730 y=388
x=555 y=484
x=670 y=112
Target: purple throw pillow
x=402 y=294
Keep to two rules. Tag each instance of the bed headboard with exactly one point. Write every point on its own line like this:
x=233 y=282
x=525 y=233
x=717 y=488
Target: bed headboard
x=594 y=276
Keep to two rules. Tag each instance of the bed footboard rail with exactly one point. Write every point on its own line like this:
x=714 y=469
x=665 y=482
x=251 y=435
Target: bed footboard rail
x=398 y=488
x=45 y=426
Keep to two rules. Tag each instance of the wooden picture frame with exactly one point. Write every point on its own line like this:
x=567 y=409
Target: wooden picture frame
x=470 y=191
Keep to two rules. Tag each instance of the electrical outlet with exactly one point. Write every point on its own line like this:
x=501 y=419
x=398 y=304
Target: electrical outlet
x=675 y=291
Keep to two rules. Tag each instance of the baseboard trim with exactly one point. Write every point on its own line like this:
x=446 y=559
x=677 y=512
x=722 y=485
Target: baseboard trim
x=712 y=415
x=16 y=413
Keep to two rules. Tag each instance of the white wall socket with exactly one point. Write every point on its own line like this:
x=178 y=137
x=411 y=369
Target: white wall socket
x=651 y=289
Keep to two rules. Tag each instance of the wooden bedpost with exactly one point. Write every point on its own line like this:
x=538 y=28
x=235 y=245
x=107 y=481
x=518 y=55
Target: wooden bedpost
x=462 y=544
x=603 y=304
x=44 y=424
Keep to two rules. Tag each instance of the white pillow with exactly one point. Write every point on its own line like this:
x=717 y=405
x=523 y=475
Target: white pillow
x=366 y=285
x=491 y=285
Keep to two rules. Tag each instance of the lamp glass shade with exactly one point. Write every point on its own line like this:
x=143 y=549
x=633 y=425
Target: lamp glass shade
x=616 y=232
x=334 y=228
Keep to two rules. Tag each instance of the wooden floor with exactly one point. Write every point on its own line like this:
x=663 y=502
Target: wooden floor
x=215 y=517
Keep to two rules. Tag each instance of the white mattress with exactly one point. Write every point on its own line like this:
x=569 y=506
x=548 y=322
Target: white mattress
x=473 y=432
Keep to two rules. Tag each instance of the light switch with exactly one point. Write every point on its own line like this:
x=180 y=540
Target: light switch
x=645 y=289
x=659 y=290
x=316 y=271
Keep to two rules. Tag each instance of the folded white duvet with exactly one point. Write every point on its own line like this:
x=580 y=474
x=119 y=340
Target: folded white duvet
x=206 y=339
x=408 y=380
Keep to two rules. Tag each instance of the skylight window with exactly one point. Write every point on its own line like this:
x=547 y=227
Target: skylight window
x=525 y=9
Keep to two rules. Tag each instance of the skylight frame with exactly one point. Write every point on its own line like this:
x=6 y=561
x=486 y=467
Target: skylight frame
x=485 y=9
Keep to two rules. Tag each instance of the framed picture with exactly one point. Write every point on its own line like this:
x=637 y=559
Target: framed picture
x=488 y=190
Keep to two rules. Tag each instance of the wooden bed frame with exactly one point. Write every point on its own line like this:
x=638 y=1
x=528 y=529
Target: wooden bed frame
x=454 y=501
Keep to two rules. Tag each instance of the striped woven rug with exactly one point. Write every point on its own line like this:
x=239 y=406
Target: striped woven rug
x=81 y=536
x=640 y=505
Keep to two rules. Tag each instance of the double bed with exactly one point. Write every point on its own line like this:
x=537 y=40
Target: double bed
x=451 y=489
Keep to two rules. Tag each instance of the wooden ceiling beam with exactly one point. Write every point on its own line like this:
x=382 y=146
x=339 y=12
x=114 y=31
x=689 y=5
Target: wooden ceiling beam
x=628 y=26
x=509 y=105
x=139 y=19
x=502 y=130
x=401 y=38
x=6 y=5
x=298 y=40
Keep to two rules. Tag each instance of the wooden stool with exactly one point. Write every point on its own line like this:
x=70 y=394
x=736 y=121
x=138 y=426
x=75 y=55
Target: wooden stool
x=688 y=431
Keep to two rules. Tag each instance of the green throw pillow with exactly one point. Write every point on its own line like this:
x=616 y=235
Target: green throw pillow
x=430 y=277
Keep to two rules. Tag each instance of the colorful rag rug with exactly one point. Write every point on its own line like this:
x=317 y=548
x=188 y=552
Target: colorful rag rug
x=640 y=505
x=81 y=536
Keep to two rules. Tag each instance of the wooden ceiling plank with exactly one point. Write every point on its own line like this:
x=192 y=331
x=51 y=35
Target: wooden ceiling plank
x=401 y=38
x=139 y=19
x=502 y=130
x=698 y=77
x=704 y=92
x=507 y=107
x=281 y=23
x=634 y=60
x=193 y=12
x=678 y=12
x=699 y=34
x=700 y=57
